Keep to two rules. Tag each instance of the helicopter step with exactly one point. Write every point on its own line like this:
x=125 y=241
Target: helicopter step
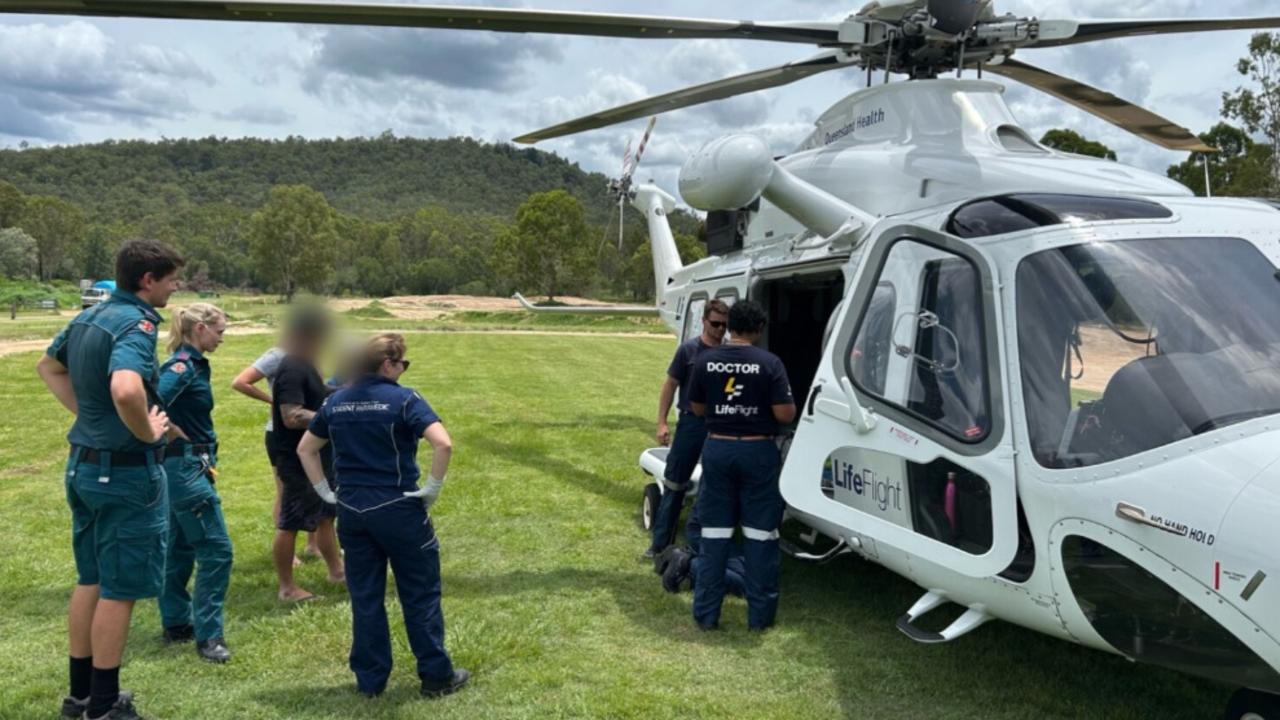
x=971 y=620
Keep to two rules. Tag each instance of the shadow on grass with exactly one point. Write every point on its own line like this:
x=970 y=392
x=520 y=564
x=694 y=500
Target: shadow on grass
x=538 y=460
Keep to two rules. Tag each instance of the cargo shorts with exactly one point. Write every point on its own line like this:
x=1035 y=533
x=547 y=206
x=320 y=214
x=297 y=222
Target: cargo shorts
x=119 y=527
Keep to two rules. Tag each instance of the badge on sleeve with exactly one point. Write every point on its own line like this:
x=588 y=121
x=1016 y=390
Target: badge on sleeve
x=178 y=367
x=147 y=327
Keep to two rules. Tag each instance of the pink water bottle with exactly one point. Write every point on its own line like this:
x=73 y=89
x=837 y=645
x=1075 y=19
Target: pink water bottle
x=949 y=502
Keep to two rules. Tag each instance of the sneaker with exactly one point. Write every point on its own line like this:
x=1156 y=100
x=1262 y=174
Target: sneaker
x=440 y=688
x=677 y=570
x=179 y=634
x=73 y=708
x=214 y=650
x=122 y=710
x=648 y=554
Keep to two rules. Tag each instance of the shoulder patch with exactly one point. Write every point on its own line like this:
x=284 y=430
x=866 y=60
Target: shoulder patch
x=147 y=326
x=184 y=355
x=178 y=367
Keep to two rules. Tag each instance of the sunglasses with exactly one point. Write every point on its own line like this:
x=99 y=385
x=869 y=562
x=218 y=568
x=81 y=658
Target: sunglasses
x=717 y=324
x=403 y=363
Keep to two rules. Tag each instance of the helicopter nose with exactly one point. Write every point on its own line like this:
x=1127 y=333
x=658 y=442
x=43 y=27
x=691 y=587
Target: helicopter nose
x=1247 y=571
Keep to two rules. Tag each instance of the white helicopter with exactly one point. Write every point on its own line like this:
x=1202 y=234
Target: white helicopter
x=1044 y=388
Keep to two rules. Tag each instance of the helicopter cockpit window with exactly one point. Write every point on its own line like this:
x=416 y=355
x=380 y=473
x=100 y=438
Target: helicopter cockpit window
x=1014 y=213
x=1132 y=345
x=930 y=303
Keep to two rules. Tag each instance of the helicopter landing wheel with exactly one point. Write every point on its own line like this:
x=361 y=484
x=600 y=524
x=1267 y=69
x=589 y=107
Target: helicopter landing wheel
x=1253 y=705
x=649 y=506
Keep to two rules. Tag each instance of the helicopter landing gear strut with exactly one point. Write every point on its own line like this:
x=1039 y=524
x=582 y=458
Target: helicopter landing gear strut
x=1253 y=705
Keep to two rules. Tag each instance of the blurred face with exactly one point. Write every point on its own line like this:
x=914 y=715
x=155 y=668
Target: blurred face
x=208 y=336
x=157 y=291
x=713 y=327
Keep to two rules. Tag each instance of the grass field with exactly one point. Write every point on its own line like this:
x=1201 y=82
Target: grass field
x=546 y=599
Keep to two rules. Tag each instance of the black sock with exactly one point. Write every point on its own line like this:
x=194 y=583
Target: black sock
x=105 y=692
x=81 y=676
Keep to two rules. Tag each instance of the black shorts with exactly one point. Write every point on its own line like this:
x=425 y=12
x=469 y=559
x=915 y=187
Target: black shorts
x=271 y=448
x=301 y=509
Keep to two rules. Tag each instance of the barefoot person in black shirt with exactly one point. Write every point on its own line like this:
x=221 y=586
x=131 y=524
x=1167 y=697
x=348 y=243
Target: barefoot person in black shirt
x=297 y=393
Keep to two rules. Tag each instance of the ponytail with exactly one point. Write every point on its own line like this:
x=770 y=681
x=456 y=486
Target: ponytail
x=185 y=320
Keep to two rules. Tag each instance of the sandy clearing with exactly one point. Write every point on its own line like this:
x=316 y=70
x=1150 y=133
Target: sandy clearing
x=13 y=347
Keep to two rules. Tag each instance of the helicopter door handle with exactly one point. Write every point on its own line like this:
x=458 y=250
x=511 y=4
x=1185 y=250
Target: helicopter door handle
x=813 y=397
x=1135 y=514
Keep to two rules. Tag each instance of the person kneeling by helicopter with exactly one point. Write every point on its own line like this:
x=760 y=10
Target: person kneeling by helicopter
x=745 y=396
x=677 y=564
x=375 y=425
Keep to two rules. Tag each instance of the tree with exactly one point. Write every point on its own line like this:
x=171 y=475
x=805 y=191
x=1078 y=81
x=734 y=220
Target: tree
x=58 y=227
x=12 y=204
x=17 y=254
x=292 y=239
x=1241 y=168
x=548 y=248
x=1070 y=141
x=640 y=267
x=1259 y=110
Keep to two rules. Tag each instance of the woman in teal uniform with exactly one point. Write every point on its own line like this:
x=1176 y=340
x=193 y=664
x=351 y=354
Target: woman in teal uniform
x=197 y=532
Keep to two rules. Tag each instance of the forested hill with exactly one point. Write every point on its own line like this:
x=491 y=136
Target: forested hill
x=376 y=178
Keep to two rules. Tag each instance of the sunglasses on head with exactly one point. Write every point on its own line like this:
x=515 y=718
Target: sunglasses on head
x=718 y=324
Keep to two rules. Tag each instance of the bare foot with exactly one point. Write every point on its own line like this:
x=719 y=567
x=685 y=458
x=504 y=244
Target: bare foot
x=338 y=579
x=311 y=551
x=297 y=561
x=295 y=595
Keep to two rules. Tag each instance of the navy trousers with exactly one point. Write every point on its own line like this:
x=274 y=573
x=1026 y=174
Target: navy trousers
x=399 y=533
x=682 y=460
x=735 y=571
x=739 y=487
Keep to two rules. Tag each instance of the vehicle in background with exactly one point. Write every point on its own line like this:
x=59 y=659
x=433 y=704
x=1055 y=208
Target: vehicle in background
x=91 y=295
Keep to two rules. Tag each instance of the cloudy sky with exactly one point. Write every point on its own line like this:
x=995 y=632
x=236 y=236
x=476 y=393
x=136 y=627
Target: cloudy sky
x=66 y=81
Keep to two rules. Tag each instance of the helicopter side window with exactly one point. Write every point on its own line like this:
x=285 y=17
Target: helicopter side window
x=873 y=346
x=693 y=318
x=937 y=341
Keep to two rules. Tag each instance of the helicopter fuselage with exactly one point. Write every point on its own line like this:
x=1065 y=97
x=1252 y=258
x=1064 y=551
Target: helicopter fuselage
x=1035 y=384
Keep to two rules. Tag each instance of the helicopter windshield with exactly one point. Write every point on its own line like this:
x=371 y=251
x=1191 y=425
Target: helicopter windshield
x=1132 y=345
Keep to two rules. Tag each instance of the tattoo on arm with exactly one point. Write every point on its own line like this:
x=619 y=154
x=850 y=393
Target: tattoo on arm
x=296 y=417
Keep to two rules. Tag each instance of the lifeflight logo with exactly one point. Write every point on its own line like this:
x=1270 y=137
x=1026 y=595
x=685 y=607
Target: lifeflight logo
x=732 y=390
x=884 y=492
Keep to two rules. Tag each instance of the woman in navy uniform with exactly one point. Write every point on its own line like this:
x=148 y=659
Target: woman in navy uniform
x=198 y=536
x=374 y=426
x=744 y=394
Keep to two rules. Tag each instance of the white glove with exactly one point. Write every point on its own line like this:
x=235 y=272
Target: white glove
x=325 y=493
x=429 y=493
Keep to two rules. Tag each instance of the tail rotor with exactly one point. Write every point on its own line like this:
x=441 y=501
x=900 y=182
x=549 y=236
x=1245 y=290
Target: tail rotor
x=620 y=189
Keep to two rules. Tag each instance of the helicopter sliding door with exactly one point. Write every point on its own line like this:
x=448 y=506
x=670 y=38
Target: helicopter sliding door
x=902 y=439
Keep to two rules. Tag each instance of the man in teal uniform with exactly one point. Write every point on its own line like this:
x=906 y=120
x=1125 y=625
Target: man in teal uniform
x=198 y=537
x=102 y=368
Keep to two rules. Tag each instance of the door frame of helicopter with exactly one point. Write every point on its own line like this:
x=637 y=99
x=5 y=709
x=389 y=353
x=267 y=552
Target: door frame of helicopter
x=837 y=417
x=1044 y=599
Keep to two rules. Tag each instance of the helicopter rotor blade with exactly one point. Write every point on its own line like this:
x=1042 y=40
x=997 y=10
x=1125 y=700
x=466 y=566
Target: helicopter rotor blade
x=438 y=16
x=1056 y=33
x=1117 y=111
x=635 y=160
x=695 y=95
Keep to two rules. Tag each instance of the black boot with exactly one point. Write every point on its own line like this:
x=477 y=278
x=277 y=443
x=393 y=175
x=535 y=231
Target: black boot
x=214 y=650
x=179 y=634
x=73 y=708
x=677 y=570
x=122 y=710
x=440 y=688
